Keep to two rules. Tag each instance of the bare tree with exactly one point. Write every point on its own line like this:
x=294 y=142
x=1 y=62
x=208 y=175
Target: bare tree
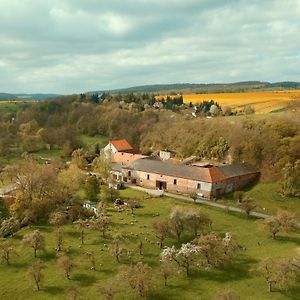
x=7 y=250
x=101 y=223
x=283 y=221
x=35 y=240
x=278 y=272
x=59 y=235
x=81 y=224
x=117 y=250
x=176 y=221
x=109 y=289
x=57 y=218
x=166 y=271
x=65 y=263
x=247 y=205
x=197 y=221
x=162 y=230
x=90 y=255
x=73 y=293
x=35 y=272
x=139 y=278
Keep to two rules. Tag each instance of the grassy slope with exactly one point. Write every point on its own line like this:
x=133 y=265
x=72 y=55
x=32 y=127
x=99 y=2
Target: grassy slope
x=201 y=285
x=268 y=199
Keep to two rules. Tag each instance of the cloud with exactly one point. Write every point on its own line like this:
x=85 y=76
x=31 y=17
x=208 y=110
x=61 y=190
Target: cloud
x=71 y=46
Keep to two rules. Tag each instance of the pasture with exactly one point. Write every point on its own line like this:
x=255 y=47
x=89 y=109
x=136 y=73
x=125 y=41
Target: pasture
x=202 y=284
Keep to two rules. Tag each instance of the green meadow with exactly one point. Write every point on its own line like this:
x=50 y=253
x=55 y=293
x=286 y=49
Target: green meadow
x=201 y=284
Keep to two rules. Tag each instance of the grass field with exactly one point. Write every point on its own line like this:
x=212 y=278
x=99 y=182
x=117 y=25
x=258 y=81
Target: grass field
x=268 y=199
x=89 y=141
x=262 y=102
x=14 y=283
x=12 y=106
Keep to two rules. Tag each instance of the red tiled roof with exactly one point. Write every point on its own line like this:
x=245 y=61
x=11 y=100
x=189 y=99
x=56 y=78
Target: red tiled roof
x=125 y=158
x=216 y=174
x=121 y=145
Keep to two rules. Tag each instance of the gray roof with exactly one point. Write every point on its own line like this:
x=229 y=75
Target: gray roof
x=169 y=169
x=212 y=174
x=235 y=170
x=116 y=167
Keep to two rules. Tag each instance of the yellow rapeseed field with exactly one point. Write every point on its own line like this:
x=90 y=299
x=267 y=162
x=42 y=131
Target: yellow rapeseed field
x=262 y=102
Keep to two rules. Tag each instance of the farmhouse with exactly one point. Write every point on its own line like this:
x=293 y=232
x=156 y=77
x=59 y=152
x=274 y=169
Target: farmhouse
x=207 y=181
x=118 y=146
x=163 y=173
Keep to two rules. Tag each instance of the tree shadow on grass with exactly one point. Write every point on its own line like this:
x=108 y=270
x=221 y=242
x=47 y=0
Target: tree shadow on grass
x=84 y=279
x=73 y=234
x=292 y=293
x=291 y=239
x=48 y=255
x=53 y=290
x=239 y=269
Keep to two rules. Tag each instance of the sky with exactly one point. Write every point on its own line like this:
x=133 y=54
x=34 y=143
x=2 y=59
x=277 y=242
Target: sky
x=72 y=46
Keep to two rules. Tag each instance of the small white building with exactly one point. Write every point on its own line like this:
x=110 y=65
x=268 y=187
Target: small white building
x=91 y=206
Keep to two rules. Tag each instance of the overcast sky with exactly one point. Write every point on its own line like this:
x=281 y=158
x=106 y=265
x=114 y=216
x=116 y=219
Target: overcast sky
x=68 y=46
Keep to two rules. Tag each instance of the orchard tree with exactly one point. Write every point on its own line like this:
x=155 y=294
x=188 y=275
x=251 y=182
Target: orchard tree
x=6 y=250
x=167 y=271
x=57 y=218
x=177 y=221
x=247 y=205
x=34 y=240
x=65 y=263
x=73 y=293
x=90 y=256
x=59 y=235
x=82 y=224
x=197 y=221
x=35 y=273
x=283 y=221
x=116 y=249
x=277 y=272
x=109 y=289
x=101 y=223
x=215 y=250
x=184 y=257
x=139 y=278
x=161 y=230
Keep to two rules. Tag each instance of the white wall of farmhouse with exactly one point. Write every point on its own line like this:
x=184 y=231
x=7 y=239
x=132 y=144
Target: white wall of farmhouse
x=170 y=183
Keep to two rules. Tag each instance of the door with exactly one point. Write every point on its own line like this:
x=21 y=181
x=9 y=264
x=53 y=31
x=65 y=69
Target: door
x=161 y=185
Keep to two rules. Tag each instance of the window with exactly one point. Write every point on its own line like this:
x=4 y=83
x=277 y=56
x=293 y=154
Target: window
x=175 y=181
x=199 y=186
x=129 y=173
x=148 y=176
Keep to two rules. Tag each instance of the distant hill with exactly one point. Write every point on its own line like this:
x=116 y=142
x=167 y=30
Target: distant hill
x=6 y=96
x=187 y=88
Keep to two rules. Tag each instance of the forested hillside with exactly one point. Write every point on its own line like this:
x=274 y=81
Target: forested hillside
x=266 y=141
